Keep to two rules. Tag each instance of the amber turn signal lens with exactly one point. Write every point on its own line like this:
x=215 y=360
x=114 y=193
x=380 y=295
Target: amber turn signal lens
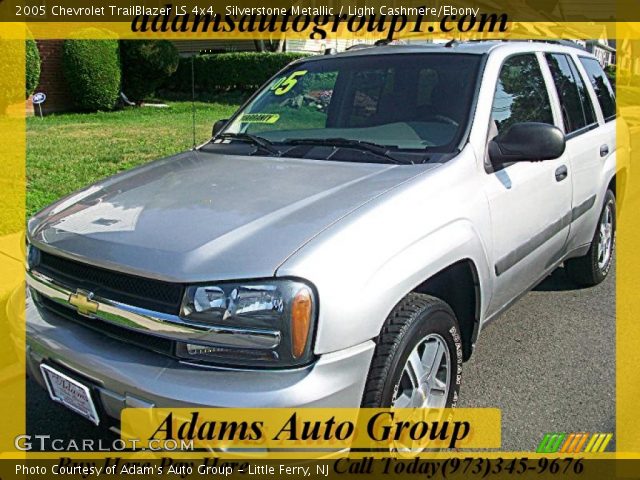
x=301 y=310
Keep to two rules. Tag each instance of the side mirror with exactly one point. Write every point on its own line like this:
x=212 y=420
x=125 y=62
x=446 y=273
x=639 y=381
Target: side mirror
x=218 y=126
x=527 y=142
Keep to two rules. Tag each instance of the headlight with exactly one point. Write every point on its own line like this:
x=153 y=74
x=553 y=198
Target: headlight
x=259 y=324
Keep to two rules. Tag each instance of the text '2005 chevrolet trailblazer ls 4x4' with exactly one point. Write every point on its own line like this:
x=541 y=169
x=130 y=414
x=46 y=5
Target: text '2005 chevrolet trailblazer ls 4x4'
x=340 y=241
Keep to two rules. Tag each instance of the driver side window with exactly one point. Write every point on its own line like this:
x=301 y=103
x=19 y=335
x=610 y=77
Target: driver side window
x=521 y=94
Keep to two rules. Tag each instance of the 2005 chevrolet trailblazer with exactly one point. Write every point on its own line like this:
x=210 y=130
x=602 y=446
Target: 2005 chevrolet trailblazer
x=339 y=242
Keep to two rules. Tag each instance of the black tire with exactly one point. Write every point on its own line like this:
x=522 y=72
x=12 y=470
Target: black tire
x=586 y=271
x=415 y=317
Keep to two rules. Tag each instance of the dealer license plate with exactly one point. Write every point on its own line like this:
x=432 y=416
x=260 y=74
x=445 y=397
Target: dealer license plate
x=70 y=393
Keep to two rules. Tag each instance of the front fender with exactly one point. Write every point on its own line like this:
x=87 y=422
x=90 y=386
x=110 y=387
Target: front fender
x=355 y=303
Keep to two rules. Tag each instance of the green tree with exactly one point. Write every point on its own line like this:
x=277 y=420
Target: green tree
x=146 y=65
x=32 y=67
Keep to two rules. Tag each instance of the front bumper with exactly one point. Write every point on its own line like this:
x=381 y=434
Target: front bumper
x=126 y=376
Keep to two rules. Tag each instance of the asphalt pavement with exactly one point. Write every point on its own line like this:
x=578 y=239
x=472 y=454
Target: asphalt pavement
x=548 y=363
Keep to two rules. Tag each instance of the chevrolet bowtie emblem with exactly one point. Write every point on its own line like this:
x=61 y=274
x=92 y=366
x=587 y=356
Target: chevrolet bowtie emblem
x=83 y=303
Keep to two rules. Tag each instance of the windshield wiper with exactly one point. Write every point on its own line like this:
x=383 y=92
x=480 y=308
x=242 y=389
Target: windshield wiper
x=376 y=149
x=253 y=139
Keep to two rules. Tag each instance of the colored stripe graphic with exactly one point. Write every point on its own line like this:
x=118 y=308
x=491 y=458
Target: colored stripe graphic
x=598 y=442
x=574 y=442
x=551 y=443
x=570 y=443
x=581 y=443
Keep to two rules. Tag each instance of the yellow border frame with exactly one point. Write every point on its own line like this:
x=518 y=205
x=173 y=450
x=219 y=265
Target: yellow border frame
x=12 y=130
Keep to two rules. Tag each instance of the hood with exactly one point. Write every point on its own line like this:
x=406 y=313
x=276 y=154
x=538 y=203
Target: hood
x=203 y=216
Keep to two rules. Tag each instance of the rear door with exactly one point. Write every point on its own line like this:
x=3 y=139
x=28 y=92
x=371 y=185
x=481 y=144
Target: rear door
x=530 y=202
x=589 y=150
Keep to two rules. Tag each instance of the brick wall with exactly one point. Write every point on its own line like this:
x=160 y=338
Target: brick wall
x=52 y=81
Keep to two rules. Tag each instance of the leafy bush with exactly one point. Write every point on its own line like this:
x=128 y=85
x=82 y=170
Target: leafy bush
x=11 y=90
x=32 y=67
x=146 y=64
x=228 y=71
x=92 y=70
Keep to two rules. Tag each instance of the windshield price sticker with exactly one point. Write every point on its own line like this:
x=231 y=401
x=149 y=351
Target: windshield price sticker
x=285 y=84
x=259 y=118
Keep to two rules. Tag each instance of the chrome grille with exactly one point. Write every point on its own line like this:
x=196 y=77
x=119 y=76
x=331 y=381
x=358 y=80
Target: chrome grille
x=139 y=291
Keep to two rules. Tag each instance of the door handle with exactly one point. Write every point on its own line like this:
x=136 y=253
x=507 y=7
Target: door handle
x=604 y=150
x=561 y=173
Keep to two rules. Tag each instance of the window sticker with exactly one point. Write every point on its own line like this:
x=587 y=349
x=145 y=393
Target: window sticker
x=285 y=84
x=259 y=118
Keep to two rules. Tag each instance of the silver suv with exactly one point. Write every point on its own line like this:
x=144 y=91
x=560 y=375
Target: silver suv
x=340 y=241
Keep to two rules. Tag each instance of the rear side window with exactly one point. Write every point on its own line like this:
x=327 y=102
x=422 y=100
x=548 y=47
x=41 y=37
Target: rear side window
x=521 y=94
x=577 y=109
x=604 y=90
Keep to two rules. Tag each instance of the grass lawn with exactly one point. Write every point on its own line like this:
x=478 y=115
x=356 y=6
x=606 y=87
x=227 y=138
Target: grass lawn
x=69 y=151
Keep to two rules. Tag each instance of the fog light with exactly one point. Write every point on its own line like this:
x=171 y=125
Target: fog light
x=211 y=353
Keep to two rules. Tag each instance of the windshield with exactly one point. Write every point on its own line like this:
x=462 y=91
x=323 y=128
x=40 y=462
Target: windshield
x=399 y=101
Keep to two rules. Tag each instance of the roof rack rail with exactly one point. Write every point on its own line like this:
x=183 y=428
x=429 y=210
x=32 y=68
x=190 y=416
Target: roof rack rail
x=359 y=46
x=560 y=41
x=555 y=41
x=378 y=43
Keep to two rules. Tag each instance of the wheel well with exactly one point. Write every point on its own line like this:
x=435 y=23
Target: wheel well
x=617 y=186
x=458 y=286
x=612 y=185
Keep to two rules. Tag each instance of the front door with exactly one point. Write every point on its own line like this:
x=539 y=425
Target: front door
x=530 y=202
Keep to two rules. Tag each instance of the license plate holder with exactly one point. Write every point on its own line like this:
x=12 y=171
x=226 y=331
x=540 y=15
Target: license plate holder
x=69 y=392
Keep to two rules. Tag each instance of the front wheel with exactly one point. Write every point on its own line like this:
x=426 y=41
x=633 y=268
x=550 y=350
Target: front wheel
x=594 y=267
x=418 y=359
